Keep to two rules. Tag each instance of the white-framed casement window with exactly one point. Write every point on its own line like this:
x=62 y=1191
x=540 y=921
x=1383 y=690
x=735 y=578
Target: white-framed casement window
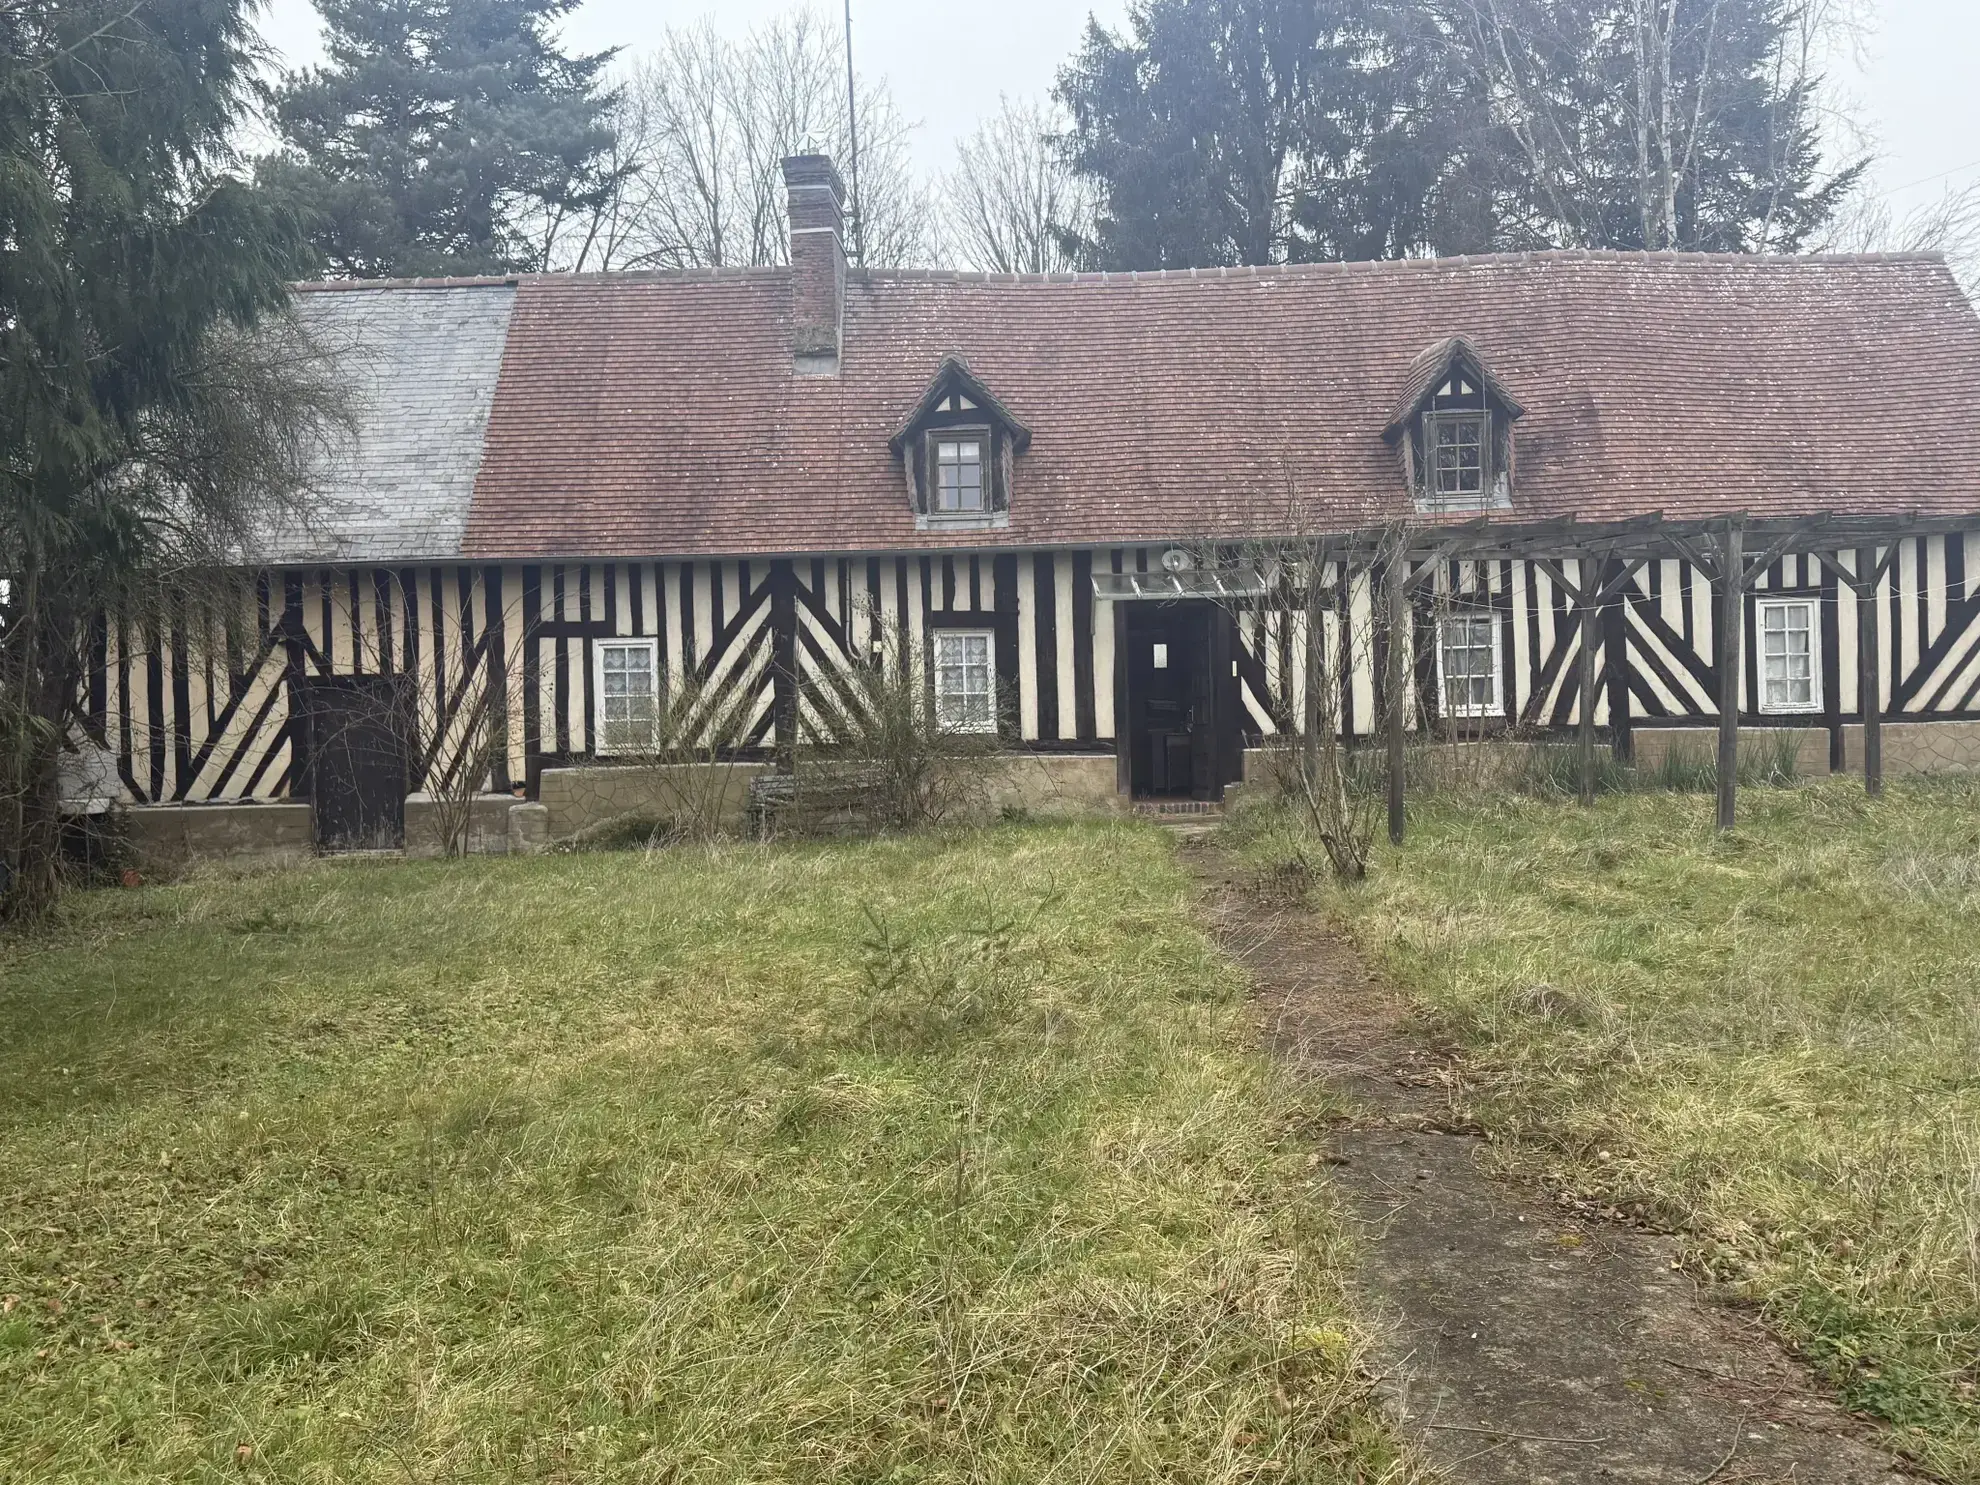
x=959 y=474
x=1454 y=446
x=966 y=680
x=1468 y=664
x=1790 y=680
x=628 y=695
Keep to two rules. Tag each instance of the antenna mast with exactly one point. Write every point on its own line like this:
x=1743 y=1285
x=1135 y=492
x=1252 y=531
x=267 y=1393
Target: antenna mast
x=852 y=133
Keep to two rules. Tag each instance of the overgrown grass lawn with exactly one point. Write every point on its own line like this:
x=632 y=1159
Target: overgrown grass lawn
x=936 y=1159
x=1772 y=1038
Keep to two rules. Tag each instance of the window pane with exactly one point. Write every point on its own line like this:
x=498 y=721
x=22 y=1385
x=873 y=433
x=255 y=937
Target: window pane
x=1470 y=672
x=965 y=683
x=628 y=699
x=1787 y=656
x=1459 y=455
x=959 y=475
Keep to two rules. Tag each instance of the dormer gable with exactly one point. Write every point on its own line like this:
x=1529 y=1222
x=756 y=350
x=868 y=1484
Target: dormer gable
x=958 y=449
x=1453 y=425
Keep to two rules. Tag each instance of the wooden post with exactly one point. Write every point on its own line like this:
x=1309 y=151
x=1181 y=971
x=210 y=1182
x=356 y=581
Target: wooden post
x=1314 y=637
x=1396 y=679
x=1870 y=671
x=1732 y=623
x=1589 y=590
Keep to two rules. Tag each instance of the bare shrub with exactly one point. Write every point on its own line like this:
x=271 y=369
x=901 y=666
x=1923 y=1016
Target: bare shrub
x=878 y=745
x=1308 y=590
x=679 y=758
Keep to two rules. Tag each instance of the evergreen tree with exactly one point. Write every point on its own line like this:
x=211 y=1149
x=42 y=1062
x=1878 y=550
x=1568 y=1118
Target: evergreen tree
x=1245 y=131
x=150 y=410
x=443 y=136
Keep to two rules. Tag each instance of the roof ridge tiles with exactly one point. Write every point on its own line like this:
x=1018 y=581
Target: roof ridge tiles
x=1254 y=271
x=354 y=285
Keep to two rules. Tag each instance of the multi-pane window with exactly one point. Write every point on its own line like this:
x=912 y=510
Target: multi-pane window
x=628 y=696
x=1468 y=660
x=1457 y=455
x=965 y=680
x=958 y=475
x=1788 y=679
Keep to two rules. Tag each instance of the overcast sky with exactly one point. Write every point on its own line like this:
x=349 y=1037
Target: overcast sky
x=947 y=64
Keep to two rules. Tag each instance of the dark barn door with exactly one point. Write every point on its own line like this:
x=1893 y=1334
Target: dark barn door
x=357 y=760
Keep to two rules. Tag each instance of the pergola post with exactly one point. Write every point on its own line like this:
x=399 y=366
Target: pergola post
x=1731 y=626
x=1589 y=593
x=1396 y=685
x=1870 y=671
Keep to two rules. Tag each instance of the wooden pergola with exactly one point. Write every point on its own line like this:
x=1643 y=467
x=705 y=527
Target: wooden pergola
x=1731 y=551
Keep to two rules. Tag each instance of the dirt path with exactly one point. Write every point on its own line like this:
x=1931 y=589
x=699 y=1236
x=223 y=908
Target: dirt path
x=1525 y=1345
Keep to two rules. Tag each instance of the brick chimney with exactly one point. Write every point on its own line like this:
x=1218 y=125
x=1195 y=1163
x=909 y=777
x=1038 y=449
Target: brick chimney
x=818 y=263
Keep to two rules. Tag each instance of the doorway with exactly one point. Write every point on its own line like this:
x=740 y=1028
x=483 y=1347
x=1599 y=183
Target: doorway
x=1180 y=735
x=357 y=758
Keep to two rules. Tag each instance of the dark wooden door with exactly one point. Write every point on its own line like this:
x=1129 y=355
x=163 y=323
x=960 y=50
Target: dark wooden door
x=1160 y=687
x=357 y=756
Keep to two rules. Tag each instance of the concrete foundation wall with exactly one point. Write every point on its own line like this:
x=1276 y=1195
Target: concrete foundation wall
x=578 y=798
x=487 y=825
x=174 y=834
x=1652 y=745
x=1054 y=784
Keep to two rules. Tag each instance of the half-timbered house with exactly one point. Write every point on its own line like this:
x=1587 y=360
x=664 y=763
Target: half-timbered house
x=585 y=489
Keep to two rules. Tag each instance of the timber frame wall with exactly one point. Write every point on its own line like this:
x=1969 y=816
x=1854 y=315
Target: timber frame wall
x=175 y=727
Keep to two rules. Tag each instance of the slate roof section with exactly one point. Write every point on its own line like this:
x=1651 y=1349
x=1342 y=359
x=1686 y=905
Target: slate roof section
x=657 y=415
x=422 y=359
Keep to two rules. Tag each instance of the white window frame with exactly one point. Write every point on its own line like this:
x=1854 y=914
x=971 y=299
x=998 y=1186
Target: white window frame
x=989 y=638
x=1496 y=706
x=1433 y=422
x=600 y=745
x=959 y=436
x=1812 y=608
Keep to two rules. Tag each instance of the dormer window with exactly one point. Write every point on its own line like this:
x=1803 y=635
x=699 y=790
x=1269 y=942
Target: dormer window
x=1453 y=428
x=959 y=448
x=958 y=475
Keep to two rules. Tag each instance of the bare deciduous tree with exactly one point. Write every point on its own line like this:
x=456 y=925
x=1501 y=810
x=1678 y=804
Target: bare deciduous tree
x=704 y=125
x=1012 y=204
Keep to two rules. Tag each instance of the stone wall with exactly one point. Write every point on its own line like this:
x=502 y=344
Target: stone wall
x=1919 y=747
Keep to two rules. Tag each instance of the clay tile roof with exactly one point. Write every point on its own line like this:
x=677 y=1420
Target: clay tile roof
x=657 y=415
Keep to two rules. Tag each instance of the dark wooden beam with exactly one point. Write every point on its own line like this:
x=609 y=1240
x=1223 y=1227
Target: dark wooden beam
x=1870 y=672
x=1732 y=616
x=1586 y=729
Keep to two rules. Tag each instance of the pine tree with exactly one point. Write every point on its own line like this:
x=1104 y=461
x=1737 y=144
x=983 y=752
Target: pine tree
x=1245 y=131
x=147 y=414
x=443 y=136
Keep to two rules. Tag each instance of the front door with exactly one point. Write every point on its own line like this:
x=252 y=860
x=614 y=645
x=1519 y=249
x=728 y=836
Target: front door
x=1174 y=739
x=357 y=751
